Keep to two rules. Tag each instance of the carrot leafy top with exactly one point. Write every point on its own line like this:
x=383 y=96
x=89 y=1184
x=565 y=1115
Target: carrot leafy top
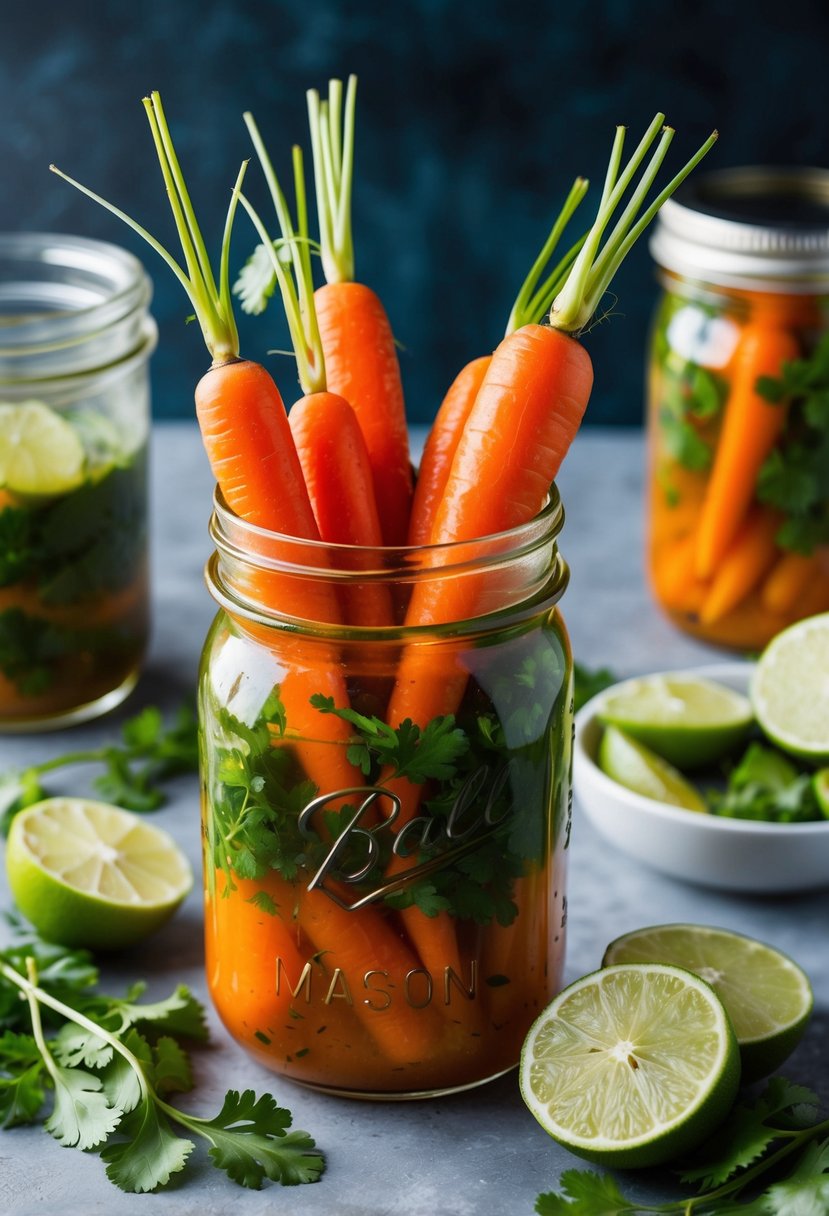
x=212 y=303
x=285 y=263
x=572 y=290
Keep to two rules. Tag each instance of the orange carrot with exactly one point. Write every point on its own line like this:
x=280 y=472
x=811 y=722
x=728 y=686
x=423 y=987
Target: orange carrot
x=334 y=460
x=743 y=566
x=672 y=572
x=440 y=446
x=789 y=580
x=750 y=429
x=357 y=340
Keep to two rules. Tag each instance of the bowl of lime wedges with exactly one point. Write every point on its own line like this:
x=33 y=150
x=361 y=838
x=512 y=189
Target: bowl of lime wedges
x=717 y=775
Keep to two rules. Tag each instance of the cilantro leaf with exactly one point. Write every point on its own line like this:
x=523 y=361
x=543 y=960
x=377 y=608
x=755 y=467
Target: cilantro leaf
x=257 y=280
x=171 y=1067
x=806 y=1191
x=588 y=683
x=82 y=1116
x=151 y=1155
x=418 y=754
x=21 y=1079
x=585 y=1193
x=250 y=1142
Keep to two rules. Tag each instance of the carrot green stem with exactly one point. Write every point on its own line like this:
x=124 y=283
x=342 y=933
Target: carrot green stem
x=295 y=279
x=332 y=146
x=531 y=304
x=213 y=306
x=596 y=264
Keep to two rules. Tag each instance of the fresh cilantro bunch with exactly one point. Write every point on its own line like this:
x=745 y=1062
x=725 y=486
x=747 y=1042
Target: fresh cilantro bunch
x=778 y=1131
x=149 y=753
x=110 y=1064
x=766 y=786
x=795 y=476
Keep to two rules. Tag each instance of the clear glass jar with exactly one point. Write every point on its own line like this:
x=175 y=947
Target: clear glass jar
x=384 y=911
x=738 y=431
x=75 y=340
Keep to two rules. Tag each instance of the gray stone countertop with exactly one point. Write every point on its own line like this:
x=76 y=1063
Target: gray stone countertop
x=473 y=1154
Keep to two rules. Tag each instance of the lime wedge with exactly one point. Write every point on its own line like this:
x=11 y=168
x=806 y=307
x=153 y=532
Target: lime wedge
x=689 y=721
x=820 y=783
x=639 y=769
x=40 y=453
x=790 y=689
x=631 y=1066
x=767 y=996
x=92 y=875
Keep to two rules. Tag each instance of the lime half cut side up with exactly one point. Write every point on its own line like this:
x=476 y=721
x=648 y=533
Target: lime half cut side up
x=632 y=1065
x=688 y=720
x=40 y=453
x=631 y=764
x=790 y=689
x=767 y=996
x=92 y=875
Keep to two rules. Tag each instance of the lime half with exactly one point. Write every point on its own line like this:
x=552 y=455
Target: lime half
x=90 y=874
x=40 y=453
x=632 y=1065
x=687 y=720
x=639 y=769
x=768 y=997
x=790 y=689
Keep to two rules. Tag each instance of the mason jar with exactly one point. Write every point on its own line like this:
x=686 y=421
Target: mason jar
x=385 y=901
x=738 y=426
x=75 y=340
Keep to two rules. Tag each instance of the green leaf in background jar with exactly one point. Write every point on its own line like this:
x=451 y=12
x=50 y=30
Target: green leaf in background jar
x=684 y=444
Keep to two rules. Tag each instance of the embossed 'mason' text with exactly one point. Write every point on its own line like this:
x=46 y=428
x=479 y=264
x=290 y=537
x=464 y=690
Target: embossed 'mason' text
x=376 y=988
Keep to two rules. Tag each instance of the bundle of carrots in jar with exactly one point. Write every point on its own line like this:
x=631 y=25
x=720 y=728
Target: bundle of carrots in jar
x=738 y=498
x=386 y=695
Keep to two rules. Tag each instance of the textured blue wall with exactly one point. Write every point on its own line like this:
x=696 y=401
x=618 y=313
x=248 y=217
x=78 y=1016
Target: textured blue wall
x=473 y=119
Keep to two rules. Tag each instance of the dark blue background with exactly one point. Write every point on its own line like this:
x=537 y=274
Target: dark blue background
x=473 y=118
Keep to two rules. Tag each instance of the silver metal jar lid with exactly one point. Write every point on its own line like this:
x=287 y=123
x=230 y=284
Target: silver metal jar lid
x=753 y=227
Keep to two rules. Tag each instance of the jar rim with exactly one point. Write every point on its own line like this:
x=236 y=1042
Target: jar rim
x=227 y=530
x=41 y=314
x=752 y=226
x=253 y=547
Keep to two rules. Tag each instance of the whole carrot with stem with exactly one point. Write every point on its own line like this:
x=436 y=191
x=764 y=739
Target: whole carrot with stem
x=357 y=340
x=526 y=414
x=328 y=439
x=251 y=451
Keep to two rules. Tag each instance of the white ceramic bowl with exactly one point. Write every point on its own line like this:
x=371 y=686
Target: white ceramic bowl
x=733 y=854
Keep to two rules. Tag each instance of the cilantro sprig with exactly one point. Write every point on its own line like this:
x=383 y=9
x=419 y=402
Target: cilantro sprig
x=133 y=771
x=741 y=1170
x=794 y=477
x=110 y=1064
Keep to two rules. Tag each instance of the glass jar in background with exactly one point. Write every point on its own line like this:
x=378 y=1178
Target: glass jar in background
x=738 y=410
x=75 y=340
x=384 y=909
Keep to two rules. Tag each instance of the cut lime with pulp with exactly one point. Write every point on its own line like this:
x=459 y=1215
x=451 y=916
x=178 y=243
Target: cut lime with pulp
x=636 y=767
x=790 y=689
x=40 y=453
x=631 y=1066
x=689 y=721
x=92 y=875
x=767 y=996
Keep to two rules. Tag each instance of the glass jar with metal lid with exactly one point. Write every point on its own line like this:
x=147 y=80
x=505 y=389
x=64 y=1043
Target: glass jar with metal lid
x=75 y=340
x=738 y=405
